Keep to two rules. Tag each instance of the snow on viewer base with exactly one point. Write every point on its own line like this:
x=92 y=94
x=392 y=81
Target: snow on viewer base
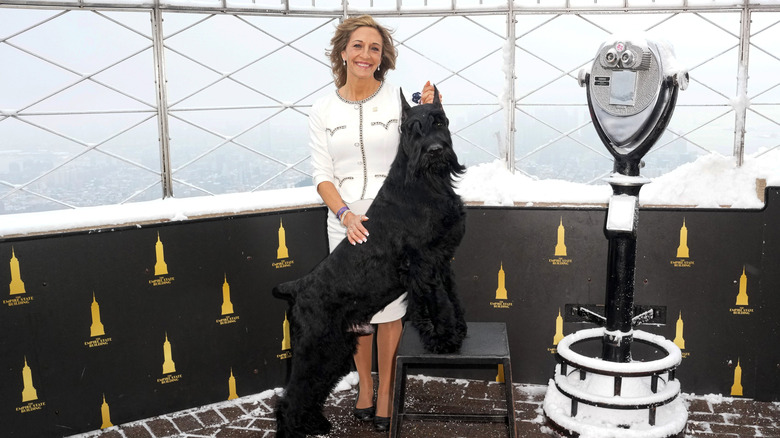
x=594 y=422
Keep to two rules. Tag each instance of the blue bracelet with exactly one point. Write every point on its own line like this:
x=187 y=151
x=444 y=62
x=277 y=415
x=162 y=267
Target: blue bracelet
x=341 y=211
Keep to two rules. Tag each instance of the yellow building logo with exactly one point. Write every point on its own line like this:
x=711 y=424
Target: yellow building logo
x=96 y=329
x=160 y=267
x=558 y=328
x=742 y=296
x=29 y=393
x=232 y=394
x=682 y=249
x=227 y=306
x=168 y=365
x=17 y=285
x=501 y=292
x=282 y=254
x=560 y=246
x=281 y=251
x=286 y=342
x=683 y=253
x=736 y=388
x=105 y=414
x=286 y=334
x=679 y=341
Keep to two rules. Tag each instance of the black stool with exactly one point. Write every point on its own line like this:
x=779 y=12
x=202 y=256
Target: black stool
x=486 y=344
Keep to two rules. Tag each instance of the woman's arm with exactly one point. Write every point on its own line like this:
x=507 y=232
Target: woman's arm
x=324 y=179
x=356 y=232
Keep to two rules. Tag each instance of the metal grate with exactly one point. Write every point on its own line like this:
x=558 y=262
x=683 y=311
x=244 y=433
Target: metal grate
x=116 y=103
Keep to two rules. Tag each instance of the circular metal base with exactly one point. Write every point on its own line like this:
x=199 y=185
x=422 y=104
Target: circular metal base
x=609 y=423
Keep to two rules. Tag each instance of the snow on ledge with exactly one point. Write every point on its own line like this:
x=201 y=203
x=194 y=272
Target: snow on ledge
x=161 y=210
x=712 y=181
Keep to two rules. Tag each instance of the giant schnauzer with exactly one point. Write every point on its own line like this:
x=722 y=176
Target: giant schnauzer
x=417 y=222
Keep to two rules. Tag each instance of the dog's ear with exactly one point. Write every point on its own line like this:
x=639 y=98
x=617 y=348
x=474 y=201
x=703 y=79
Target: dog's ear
x=436 y=100
x=404 y=105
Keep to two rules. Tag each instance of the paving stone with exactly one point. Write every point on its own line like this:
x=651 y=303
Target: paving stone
x=187 y=422
x=136 y=431
x=232 y=412
x=210 y=418
x=162 y=427
x=698 y=405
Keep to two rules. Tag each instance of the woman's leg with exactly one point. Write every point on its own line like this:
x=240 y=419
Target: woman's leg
x=363 y=361
x=388 y=336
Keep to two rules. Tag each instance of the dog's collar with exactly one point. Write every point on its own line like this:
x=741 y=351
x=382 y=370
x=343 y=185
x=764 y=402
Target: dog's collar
x=357 y=102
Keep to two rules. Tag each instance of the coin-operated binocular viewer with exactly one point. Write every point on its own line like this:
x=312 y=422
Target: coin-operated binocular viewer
x=632 y=89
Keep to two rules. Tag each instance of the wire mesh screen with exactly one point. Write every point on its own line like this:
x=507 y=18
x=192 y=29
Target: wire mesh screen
x=87 y=95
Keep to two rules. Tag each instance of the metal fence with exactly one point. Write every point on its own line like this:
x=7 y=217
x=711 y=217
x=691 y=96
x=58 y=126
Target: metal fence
x=124 y=101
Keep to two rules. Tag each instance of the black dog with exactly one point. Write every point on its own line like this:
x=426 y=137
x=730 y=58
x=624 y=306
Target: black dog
x=417 y=222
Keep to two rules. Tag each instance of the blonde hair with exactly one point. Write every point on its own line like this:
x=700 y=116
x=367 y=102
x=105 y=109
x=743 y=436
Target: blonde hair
x=341 y=39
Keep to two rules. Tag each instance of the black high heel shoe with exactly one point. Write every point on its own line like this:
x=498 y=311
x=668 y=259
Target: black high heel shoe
x=381 y=424
x=364 y=414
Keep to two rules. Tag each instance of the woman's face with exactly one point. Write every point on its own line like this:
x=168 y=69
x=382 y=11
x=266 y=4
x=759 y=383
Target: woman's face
x=363 y=53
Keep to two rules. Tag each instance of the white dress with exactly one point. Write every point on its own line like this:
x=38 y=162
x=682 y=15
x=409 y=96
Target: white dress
x=353 y=144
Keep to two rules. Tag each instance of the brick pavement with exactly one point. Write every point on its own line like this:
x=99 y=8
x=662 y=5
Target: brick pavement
x=252 y=416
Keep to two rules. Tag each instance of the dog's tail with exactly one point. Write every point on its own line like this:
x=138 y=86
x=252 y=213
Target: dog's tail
x=285 y=292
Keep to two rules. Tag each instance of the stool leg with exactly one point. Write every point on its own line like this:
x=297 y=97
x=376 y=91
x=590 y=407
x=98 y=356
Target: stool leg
x=510 y=399
x=399 y=394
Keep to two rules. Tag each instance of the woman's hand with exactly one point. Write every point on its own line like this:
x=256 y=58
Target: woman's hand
x=356 y=232
x=427 y=93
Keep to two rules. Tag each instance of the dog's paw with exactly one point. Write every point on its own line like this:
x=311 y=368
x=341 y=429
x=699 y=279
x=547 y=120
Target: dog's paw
x=316 y=424
x=442 y=343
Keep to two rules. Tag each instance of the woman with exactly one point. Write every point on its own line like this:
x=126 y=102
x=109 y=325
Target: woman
x=354 y=135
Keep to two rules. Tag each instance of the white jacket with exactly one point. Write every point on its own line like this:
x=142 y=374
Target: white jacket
x=354 y=143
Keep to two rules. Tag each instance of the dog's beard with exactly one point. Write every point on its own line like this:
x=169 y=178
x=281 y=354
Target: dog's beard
x=440 y=167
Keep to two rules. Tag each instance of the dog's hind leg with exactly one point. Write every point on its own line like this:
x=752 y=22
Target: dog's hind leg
x=318 y=364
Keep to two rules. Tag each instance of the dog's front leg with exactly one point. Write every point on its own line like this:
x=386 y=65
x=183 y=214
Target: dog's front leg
x=435 y=309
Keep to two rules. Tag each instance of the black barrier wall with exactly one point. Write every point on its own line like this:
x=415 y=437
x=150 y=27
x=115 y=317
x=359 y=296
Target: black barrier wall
x=106 y=327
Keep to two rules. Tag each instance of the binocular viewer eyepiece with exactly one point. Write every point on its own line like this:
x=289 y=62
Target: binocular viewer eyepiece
x=632 y=89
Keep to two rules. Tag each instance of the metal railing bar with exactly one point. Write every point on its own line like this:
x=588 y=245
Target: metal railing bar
x=475 y=145
x=771 y=55
x=751 y=109
x=190 y=185
x=457 y=73
x=497 y=9
x=288 y=167
x=225 y=141
x=763 y=92
x=758 y=154
x=222 y=76
x=566 y=134
x=96 y=146
x=85 y=112
x=82 y=77
x=33 y=26
x=79 y=154
x=473 y=123
x=187 y=27
x=119 y=23
x=139 y=192
x=41 y=195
